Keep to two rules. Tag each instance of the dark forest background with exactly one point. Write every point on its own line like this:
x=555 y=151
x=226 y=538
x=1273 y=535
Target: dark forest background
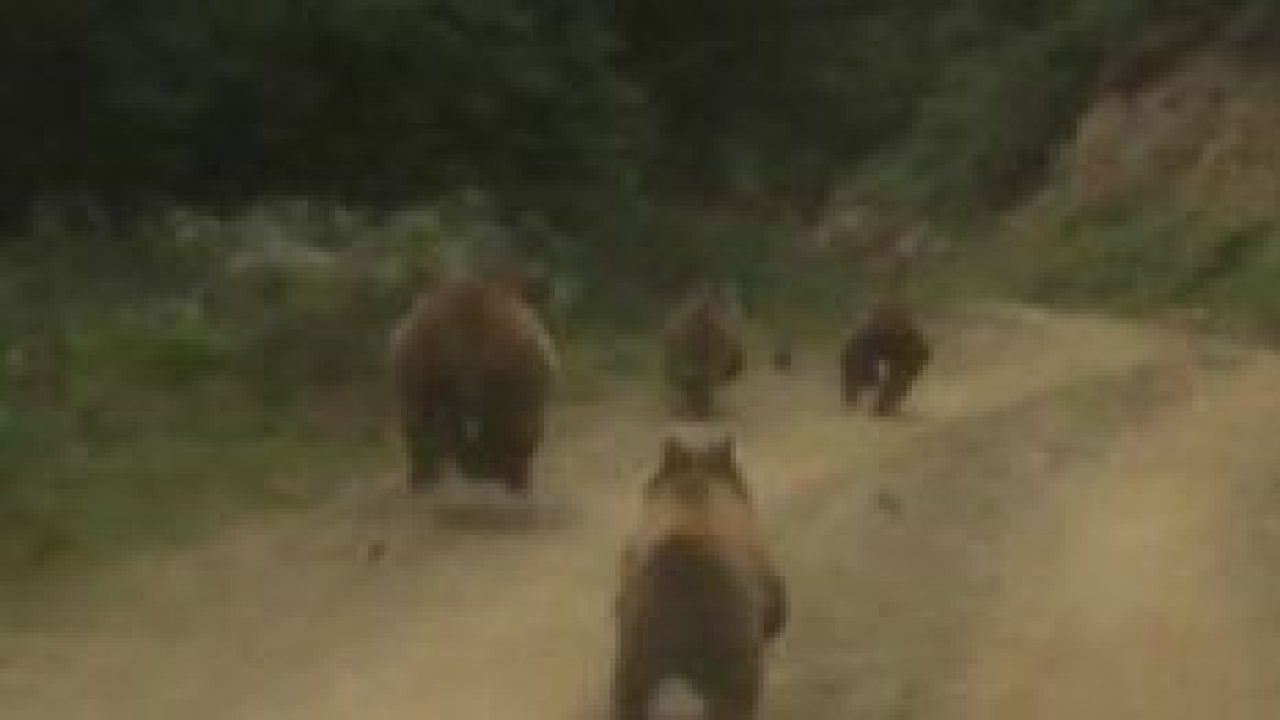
x=559 y=108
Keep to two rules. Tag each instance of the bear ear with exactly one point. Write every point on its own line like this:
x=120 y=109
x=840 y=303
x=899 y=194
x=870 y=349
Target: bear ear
x=675 y=456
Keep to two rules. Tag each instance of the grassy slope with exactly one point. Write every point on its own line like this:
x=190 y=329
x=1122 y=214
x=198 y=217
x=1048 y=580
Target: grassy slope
x=1164 y=201
x=150 y=388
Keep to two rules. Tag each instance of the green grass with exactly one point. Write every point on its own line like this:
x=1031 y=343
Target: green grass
x=152 y=389
x=94 y=499
x=129 y=464
x=1137 y=258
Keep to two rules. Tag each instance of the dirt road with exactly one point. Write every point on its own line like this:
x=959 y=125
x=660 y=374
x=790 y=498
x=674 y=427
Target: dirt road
x=1078 y=519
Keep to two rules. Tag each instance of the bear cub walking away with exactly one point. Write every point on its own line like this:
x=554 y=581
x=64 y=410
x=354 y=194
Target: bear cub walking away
x=473 y=363
x=887 y=353
x=700 y=598
x=702 y=349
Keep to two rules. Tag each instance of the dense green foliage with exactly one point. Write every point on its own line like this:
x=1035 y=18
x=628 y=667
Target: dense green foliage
x=559 y=107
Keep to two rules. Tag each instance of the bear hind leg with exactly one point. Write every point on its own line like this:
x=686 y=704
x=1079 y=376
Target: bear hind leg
x=424 y=453
x=512 y=441
x=633 y=690
x=859 y=371
x=900 y=376
x=776 y=608
x=736 y=695
x=430 y=436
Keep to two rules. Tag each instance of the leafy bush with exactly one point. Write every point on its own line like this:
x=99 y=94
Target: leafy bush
x=146 y=386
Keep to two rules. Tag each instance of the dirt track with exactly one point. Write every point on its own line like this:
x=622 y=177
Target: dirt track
x=1079 y=519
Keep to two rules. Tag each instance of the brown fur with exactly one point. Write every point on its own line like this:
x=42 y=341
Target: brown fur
x=888 y=353
x=703 y=350
x=474 y=364
x=700 y=598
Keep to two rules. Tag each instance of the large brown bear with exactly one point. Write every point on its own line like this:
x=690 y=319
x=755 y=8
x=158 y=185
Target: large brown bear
x=700 y=599
x=888 y=353
x=474 y=363
x=702 y=349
